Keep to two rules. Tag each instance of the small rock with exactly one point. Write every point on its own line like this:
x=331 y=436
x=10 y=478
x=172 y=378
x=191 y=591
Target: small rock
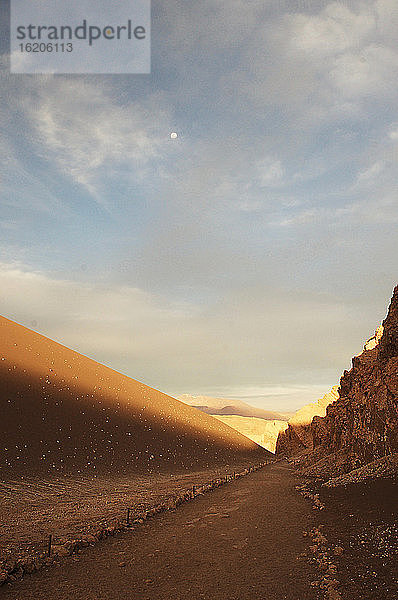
x=29 y=566
x=62 y=550
x=18 y=574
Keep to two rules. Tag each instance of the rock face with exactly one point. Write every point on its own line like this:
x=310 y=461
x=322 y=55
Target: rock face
x=362 y=424
x=298 y=436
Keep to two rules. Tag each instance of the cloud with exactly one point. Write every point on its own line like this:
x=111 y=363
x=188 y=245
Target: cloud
x=91 y=136
x=23 y=189
x=246 y=339
x=270 y=172
x=318 y=68
x=333 y=30
x=372 y=72
x=393 y=134
x=371 y=172
x=245 y=243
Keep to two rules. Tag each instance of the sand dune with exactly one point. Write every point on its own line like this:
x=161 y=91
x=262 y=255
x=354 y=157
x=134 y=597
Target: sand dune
x=62 y=412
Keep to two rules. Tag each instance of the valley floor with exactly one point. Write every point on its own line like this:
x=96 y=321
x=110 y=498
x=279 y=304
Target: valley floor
x=242 y=541
x=256 y=538
x=71 y=508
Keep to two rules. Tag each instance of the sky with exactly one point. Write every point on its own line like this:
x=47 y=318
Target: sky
x=249 y=258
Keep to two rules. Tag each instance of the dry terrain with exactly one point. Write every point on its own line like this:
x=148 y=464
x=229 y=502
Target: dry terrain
x=264 y=433
x=228 y=406
x=65 y=414
x=80 y=444
x=72 y=508
x=356 y=541
x=242 y=541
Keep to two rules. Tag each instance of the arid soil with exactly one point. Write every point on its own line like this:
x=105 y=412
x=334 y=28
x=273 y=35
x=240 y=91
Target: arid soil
x=228 y=406
x=355 y=544
x=243 y=541
x=75 y=508
x=269 y=535
x=362 y=519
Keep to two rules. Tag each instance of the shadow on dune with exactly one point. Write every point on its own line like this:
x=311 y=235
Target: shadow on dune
x=63 y=413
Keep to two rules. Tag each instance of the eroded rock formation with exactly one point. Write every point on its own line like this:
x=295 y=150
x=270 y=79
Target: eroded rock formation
x=298 y=437
x=362 y=424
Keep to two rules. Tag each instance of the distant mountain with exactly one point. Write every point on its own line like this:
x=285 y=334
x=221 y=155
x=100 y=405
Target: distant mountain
x=264 y=432
x=226 y=406
x=63 y=413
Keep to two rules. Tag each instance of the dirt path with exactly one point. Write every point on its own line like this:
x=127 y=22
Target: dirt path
x=239 y=542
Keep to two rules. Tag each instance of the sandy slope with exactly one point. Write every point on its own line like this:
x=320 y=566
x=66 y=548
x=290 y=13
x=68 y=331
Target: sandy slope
x=62 y=412
x=264 y=433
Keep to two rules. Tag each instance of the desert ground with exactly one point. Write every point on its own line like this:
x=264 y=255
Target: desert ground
x=268 y=535
x=229 y=406
x=81 y=444
x=241 y=541
x=75 y=509
x=111 y=489
x=261 y=426
x=357 y=538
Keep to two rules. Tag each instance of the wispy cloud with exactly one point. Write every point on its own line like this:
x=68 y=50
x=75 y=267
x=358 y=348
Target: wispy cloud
x=270 y=172
x=91 y=136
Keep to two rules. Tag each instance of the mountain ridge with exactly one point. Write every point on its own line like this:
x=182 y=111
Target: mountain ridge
x=227 y=406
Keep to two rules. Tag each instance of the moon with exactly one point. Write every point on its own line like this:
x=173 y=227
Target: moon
x=173 y=135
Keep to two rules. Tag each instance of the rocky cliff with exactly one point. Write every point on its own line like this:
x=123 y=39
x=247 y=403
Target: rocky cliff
x=297 y=437
x=360 y=426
